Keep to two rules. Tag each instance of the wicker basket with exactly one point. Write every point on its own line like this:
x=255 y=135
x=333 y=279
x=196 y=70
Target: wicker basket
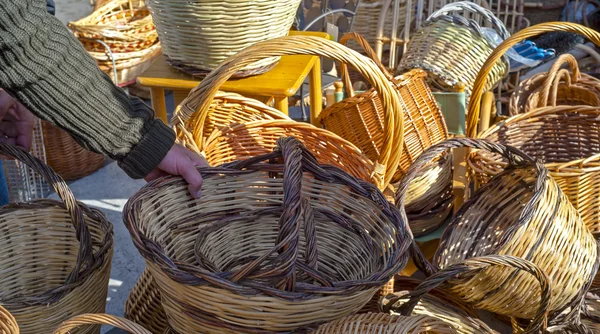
x=124 y=25
x=437 y=304
x=465 y=271
x=8 y=324
x=227 y=27
x=363 y=120
x=280 y=275
x=556 y=87
x=55 y=256
x=86 y=320
x=190 y=119
x=143 y=305
x=566 y=139
x=521 y=212
x=452 y=48
x=66 y=156
x=128 y=65
x=377 y=323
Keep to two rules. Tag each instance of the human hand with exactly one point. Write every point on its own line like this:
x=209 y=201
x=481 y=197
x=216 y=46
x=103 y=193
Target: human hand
x=181 y=161
x=16 y=122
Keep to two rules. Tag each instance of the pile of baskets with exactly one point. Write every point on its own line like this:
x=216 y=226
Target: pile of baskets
x=121 y=37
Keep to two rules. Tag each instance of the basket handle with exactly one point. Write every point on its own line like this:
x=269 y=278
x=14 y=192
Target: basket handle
x=474 y=266
x=199 y=99
x=472 y=8
x=481 y=80
x=85 y=255
x=352 y=36
x=555 y=74
x=100 y=319
x=514 y=156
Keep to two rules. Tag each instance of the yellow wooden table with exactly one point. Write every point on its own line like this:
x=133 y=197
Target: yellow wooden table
x=280 y=83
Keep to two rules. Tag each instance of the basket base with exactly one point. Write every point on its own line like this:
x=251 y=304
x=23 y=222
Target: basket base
x=201 y=73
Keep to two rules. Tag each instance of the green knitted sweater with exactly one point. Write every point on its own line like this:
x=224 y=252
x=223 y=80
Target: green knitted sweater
x=46 y=68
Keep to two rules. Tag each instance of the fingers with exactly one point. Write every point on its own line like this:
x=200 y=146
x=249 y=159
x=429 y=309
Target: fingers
x=187 y=169
x=197 y=159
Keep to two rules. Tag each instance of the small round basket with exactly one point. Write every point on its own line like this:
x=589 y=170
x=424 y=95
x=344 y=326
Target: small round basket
x=376 y=323
x=452 y=48
x=55 y=255
x=556 y=87
x=227 y=27
x=408 y=303
x=520 y=212
x=269 y=246
x=8 y=324
x=85 y=320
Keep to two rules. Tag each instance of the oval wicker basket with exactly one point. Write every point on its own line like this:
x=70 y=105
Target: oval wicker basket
x=143 y=305
x=549 y=88
x=124 y=25
x=452 y=48
x=437 y=304
x=8 y=324
x=214 y=30
x=377 y=323
x=520 y=212
x=255 y=253
x=464 y=272
x=55 y=255
x=193 y=115
x=66 y=157
x=85 y=320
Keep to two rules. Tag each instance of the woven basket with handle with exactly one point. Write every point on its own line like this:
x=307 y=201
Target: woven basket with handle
x=556 y=87
x=66 y=157
x=8 y=324
x=85 y=320
x=226 y=27
x=269 y=246
x=563 y=137
x=196 y=118
x=465 y=271
x=452 y=48
x=55 y=255
x=520 y=212
x=364 y=119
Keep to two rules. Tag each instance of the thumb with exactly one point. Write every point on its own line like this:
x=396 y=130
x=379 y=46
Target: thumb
x=188 y=171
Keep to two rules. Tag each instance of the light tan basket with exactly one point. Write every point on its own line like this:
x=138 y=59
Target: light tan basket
x=55 y=255
x=556 y=87
x=214 y=30
x=143 y=305
x=85 y=320
x=521 y=212
x=377 y=323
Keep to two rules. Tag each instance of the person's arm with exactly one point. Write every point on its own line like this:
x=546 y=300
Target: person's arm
x=46 y=68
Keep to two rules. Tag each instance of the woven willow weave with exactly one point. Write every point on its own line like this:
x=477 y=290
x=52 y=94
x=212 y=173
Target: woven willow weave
x=8 y=324
x=84 y=320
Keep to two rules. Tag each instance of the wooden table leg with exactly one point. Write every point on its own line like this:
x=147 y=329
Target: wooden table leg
x=316 y=92
x=158 y=103
x=281 y=104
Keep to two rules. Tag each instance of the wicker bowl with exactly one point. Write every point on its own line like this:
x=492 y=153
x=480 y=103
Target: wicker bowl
x=85 y=320
x=226 y=27
x=262 y=252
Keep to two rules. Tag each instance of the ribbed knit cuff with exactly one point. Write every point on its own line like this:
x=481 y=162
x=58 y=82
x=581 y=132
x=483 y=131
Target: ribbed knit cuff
x=150 y=151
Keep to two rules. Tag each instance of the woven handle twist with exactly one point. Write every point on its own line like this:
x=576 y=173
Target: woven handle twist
x=85 y=255
x=555 y=74
x=515 y=158
x=100 y=319
x=481 y=80
x=472 y=8
x=364 y=44
x=199 y=99
x=473 y=266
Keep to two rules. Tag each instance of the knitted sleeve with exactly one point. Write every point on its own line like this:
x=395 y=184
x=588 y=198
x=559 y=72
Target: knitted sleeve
x=46 y=68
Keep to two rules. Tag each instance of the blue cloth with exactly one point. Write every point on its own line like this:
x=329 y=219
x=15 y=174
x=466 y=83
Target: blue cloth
x=51 y=7
x=4 y=197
